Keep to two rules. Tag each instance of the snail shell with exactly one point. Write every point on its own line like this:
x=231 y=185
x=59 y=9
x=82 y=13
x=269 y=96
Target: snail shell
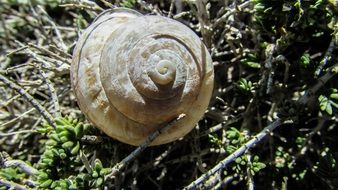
x=132 y=73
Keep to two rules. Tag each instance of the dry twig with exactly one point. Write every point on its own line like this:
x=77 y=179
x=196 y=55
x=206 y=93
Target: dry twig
x=29 y=98
x=118 y=167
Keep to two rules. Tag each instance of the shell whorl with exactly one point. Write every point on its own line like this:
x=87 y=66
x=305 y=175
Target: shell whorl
x=133 y=73
x=162 y=73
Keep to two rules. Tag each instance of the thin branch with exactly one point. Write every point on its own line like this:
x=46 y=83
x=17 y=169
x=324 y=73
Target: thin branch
x=29 y=98
x=56 y=30
x=54 y=96
x=220 y=126
x=82 y=6
x=50 y=53
x=17 y=132
x=6 y=161
x=17 y=50
x=257 y=138
x=232 y=11
x=171 y=8
x=12 y=185
x=33 y=54
x=7 y=35
x=196 y=148
x=14 y=120
x=11 y=100
x=268 y=75
x=182 y=14
x=62 y=53
x=223 y=183
x=118 y=167
x=192 y=157
x=321 y=81
x=106 y=3
x=287 y=64
x=20 y=68
x=250 y=182
x=203 y=17
x=327 y=57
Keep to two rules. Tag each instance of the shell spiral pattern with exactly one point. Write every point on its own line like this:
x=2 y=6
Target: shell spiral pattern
x=133 y=73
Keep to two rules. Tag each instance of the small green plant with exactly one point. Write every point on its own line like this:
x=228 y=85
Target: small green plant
x=60 y=163
x=327 y=168
x=256 y=165
x=327 y=103
x=245 y=86
x=251 y=61
x=305 y=59
x=291 y=17
x=11 y=174
x=128 y=3
x=236 y=139
x=282 y=158
x=214 y=139
x=276 y=69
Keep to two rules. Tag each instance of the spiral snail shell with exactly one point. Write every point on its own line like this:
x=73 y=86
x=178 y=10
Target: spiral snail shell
x=133 y=73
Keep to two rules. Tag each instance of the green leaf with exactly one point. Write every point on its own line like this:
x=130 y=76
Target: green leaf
x=76 y=148
x=67 y=145
x=54 y=137
x=70 y=128
x=42 y=130
x=63 y=155
x=98 y=165
x=59 y=128
x=46 y=184
x=251 y=61
x=325 y=104
x=305 y=59
x=79 y=130
x=230 y=148
x=47 y=161
x=64 y=134
x=104 y=171
x=51 y=142
x=253 y=64
x=334 y=96
x=64 y=139
x=43 y=176
x=238 y=160
x=245 y=85
x=95 y=174
x=259 y=166
x=329 y=109
x=99 y=182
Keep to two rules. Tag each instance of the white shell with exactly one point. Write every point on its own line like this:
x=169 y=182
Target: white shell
x=133 y=73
